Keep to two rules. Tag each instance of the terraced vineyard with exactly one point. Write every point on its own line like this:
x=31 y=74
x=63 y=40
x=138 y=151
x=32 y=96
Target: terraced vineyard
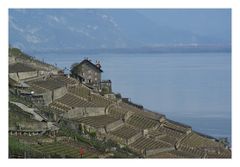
x=97 y=121
x=129 y=107
x=128 y=130
x=141 y=122
x=79 y=91
x=193 y=151
x=47 y=109
x=117 y=112
x=63 y=150
x=59 y=106
x=74 y=101
x=49 y=84
x=173 y=154
x=170 y=132
x=169 y=139
x=221 y=154
x=100 y=101
x=36 y=89
x=156 y=133
x=83 y=92
x=66 y=80
x=175 y=126
x=19 y=67
x=166 y=135
x=125 y=132
x=195 y=140
x=146 y=143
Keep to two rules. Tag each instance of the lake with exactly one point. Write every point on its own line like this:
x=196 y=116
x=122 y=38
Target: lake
x=192 y=88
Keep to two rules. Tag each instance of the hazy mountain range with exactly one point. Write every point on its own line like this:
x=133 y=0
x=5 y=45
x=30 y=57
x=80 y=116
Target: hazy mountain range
x=44 y=30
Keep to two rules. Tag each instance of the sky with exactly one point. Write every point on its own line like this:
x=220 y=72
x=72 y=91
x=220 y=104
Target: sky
x=200 y=21
x=118 y=28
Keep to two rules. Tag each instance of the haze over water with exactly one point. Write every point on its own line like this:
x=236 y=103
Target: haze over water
x=192 y=88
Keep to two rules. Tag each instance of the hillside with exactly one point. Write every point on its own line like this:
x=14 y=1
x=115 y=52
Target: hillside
x=55 y=115
x=17 y=56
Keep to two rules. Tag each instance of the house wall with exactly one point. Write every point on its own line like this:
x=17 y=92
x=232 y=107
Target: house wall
x=90 y=74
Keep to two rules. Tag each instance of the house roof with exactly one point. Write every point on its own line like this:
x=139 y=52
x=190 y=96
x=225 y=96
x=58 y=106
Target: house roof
x=106 y=81
x=90 y=64
x=19 y=67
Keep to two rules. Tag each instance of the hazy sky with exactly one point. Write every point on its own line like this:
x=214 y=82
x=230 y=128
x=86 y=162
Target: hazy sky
x=201 y=21
x=119 y=28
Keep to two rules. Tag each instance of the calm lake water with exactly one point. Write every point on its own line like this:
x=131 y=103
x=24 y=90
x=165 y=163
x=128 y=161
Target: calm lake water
x=192 y=88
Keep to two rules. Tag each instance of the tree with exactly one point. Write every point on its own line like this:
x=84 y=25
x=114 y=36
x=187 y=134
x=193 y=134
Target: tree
x=73 y=69
x=73 y=65
x=105 y=90
x=118 y=95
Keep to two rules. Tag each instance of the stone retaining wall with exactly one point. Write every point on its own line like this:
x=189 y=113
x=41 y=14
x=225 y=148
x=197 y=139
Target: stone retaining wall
x=47 y=96
x=14 y=76
x=25 y=75
x=84 y=112
x=58 y=93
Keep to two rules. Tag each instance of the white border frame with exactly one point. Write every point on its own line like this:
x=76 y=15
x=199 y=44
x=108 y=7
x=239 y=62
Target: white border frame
x=233 y=4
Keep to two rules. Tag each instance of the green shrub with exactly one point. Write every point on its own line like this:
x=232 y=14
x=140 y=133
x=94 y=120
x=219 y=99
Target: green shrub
x=105 y=90
x=92 y=134
x=19 y=149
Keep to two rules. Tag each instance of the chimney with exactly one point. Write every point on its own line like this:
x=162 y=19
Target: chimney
x=98 y=65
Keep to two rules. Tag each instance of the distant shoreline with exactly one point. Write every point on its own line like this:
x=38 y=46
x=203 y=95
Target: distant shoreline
x=149 y=50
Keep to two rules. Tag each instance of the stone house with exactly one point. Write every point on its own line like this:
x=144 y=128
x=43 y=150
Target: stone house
x=87 y=72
